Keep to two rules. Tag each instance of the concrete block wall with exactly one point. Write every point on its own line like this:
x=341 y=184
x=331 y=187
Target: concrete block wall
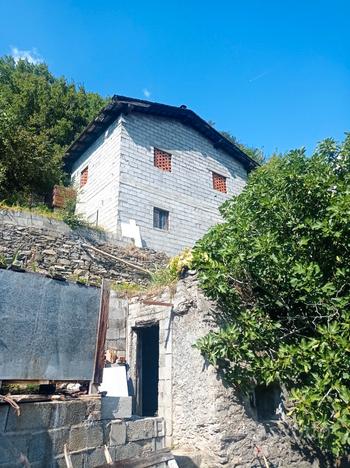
x=116 y=331
x=186 y=192
x=98 y=199
x=140 y=315
x=42 y=430
x=123 y=183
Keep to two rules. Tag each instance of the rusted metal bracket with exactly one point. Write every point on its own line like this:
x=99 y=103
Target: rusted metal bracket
x=102 y=332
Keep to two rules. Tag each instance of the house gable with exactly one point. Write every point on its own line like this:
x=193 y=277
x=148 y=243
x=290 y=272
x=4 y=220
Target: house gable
x=125 y=105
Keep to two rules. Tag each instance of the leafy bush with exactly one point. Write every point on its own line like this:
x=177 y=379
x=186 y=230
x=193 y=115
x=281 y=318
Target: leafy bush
x=180 y=262
x=279 y=267
x=40 y=115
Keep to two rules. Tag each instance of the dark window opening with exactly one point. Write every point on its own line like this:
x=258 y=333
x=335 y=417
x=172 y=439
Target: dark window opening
x=147 y=370
x=162 y=160
x=267 y=401
x=219 y=183
x=161 y=219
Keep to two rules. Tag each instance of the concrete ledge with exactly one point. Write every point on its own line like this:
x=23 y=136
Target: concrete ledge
x=116 y=407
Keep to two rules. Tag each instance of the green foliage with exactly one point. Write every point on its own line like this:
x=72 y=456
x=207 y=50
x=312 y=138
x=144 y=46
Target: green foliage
x=255 y=153
x=180 y=262
x=159 y=279
x=39 y=116
x=279 y=267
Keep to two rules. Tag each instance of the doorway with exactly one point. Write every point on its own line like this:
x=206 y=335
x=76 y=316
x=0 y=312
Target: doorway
x=147 y=370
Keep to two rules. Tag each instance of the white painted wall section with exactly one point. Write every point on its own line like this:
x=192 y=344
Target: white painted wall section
x=98 y=199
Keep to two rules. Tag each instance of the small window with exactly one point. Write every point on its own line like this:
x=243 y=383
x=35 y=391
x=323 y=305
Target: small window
x=162 y=160
x=84 y=176
x=219 y=183
x=267 y=401
x=160 y=219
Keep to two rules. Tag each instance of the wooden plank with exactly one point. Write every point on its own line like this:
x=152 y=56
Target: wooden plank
x=146 y=461
x=157 y=303
x=102 y=332
x=67 y=457
x=108 y=456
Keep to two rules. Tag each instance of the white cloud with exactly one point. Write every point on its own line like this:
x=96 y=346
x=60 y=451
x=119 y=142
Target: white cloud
x=31 y=55
x=146 y=93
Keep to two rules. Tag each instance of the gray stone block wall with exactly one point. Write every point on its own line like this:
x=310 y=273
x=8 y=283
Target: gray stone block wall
x=186 y=192
x=123 y=183
x=98 y=199
x=42 y=430
x=141 y=315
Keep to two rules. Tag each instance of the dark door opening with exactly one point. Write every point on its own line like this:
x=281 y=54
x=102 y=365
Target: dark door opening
x=147 y=367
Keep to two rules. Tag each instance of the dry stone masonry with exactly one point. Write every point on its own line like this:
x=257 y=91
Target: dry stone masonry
x=49 y=246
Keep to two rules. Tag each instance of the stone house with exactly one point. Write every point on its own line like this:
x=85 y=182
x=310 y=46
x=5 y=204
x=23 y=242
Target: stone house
x=154 y=173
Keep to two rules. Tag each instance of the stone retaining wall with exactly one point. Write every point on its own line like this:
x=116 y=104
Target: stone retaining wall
x=50 y=246
x=43 y=428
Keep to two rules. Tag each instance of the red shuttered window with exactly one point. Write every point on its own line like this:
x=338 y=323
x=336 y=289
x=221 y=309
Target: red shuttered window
x=162 y=160
x=84 y=176
x=219 y=183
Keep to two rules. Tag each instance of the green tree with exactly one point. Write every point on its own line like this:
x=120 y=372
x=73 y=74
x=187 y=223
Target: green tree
x=279 y=267
x=40 y=115
x=255 y=153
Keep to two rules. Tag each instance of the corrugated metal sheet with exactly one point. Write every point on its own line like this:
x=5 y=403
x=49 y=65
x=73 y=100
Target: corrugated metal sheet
x=48 y=328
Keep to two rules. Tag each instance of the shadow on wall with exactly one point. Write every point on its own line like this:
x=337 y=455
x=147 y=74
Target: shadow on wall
x=174 y=144
x=266 y=406
x=23 y=449
x=184 y=461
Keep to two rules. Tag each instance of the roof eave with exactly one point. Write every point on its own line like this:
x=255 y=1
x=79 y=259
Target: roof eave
x=124 y=105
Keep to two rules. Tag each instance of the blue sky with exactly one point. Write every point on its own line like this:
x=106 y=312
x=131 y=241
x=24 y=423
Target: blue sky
x=276 y=74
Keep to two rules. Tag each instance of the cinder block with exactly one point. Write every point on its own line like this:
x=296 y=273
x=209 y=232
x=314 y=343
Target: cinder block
x=33 y=416
x=93 y=458
x=133 y=449
x=140 y=429
x=59 y=437
x=117 y=434
x=85 y=436
x=4 y=409
x=116 y=407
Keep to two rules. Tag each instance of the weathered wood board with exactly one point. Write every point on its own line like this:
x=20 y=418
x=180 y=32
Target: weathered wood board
x=48 y=328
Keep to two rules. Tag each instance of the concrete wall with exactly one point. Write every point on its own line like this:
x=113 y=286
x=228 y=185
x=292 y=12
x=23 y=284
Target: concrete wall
x=42 y=430
x=142 y=315
x=123 y=183
x=117 y=318
x=98 y=199
x=186 y=192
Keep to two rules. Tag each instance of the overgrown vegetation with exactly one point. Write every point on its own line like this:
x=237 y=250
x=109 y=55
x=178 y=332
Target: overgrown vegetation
x=159 y=279
x=255 y=153
x=66 y=214
x=279 y=267
x=40 y=115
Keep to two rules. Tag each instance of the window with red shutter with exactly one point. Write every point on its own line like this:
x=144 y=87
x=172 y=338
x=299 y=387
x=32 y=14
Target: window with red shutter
x=84 y=176
x=219 y=183
x=162 y=160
